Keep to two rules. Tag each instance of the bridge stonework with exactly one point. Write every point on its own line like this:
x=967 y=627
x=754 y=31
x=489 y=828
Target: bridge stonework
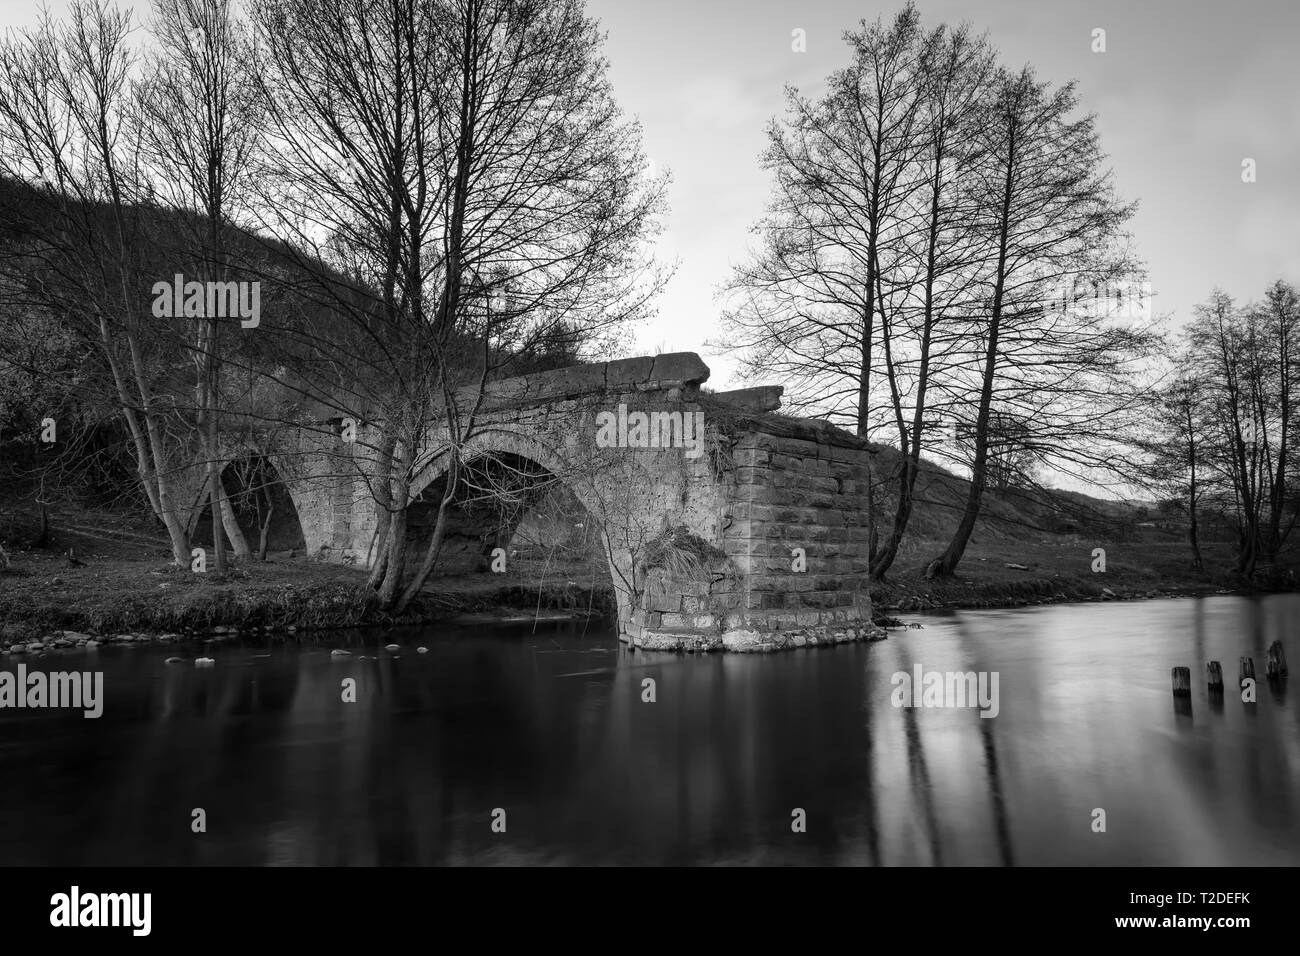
x=752 y=538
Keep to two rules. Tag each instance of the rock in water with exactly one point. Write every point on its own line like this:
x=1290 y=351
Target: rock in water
x=423 y=650
x=337 y=653
x=204 y=661
x=174 y=660
x=392 y=647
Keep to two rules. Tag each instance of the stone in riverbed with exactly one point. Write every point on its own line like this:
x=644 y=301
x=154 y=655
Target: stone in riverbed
x=91 y=645
x=34 y=647
x=338 y=654
x=204 y=662
x=392 y=647
x=174 y=660
x=423 y=650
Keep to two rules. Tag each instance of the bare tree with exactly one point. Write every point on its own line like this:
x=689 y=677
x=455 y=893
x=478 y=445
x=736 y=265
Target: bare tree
x=1053 y=222
x=64 y=123
x=1176 y=466
x=198 y=123
x=1247 y=358
x=810 y=305
x=464 y=166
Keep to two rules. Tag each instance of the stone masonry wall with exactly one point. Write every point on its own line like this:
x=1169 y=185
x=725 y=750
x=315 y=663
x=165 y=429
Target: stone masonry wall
x=786 y=492
x=767 y=485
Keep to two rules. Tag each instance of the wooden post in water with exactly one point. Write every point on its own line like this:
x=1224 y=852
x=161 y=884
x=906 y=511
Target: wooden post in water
x=1214 y=677
x=1276 y=666
x=1182 y=682
x=1246 y=669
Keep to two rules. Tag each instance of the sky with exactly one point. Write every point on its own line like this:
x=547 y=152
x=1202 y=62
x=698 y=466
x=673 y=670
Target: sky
x=1185 y=90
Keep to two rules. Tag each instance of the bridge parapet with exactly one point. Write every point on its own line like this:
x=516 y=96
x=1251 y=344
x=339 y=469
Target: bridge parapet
x=683 y=371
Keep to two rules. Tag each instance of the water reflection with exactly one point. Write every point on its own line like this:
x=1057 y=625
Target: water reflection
x=550 y=725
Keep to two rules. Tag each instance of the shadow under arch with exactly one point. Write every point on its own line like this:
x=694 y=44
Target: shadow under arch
x=262 y=504
x=505 y=477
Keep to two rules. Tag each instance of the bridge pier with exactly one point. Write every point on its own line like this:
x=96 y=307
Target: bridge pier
x=789 y=563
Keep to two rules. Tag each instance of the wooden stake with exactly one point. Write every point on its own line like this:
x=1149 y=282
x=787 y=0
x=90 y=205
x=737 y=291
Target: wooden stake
x=1214 y=677
x=1276 y=666
x=1182 y=682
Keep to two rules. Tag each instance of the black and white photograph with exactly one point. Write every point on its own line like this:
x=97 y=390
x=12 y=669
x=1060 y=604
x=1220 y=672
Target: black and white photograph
x=582 y=434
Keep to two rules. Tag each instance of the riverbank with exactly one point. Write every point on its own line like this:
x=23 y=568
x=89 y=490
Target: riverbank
x=44 y=598
x=117 y=599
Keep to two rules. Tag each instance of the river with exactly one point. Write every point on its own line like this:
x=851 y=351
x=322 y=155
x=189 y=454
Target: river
x=545 y=731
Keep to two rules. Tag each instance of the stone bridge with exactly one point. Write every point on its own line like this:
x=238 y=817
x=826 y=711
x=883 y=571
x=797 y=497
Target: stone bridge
x=725 y=525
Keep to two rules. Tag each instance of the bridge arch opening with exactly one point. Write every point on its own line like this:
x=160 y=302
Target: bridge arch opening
x=262 y=507
x=509 y=501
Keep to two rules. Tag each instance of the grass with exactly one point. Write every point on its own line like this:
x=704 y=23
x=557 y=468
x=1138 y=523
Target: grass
x=128 y=584
x=1056 y=568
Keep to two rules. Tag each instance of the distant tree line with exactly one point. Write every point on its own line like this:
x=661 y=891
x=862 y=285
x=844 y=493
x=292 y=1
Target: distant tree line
x=1222 y=442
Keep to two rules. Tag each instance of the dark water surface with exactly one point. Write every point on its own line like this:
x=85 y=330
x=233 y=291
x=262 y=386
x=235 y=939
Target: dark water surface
x=551 y=727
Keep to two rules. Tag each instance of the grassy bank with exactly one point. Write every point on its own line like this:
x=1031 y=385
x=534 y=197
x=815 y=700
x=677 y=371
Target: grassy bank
x=42 y=594
x=127 y=586
x=997 y=573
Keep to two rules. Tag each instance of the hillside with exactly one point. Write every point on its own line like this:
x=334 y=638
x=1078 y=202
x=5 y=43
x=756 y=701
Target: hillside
x=1037 y=546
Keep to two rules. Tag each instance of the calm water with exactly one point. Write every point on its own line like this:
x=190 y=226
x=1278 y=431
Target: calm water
x=551 y=727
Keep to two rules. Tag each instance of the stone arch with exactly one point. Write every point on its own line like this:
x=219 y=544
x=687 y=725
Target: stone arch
x=255 y=484
x=521 y=451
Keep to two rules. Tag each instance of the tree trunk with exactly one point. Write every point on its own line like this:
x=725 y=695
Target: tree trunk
x=214 y=463
x=947 y=562
x=146 y=440
x=43 y=528
x=383 y=513
x=392 y=581
x=264 y=531
x=238 y=542
x=430 y=557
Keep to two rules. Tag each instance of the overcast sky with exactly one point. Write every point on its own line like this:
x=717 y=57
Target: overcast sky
x=1185 y=90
